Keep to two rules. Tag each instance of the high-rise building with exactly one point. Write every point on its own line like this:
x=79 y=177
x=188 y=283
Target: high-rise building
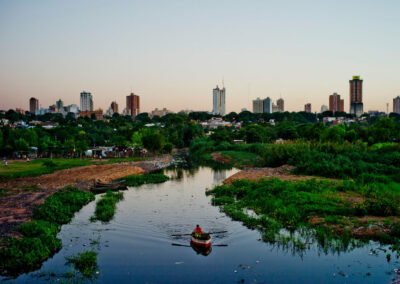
x=133 y=105
x=86 y=101
x=335 y=103
x=274 y=108
x=219 y=101
x=267 y=105
x=114 y=107
x=281 y=105
x=324 y=108
x=33 y=105
x=307 y=107
x=396 y=104
x=59 y=104
x=356 y=100
x=258 y=106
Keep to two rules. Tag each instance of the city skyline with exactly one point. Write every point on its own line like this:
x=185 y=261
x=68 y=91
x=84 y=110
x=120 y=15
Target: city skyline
x=296 y=50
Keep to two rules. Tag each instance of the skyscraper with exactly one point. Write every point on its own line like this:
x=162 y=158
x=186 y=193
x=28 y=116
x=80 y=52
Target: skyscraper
x=356 y=102
x=33 y=105
x=86 y=101
x=219 y=101
x=324 y=108
x=267 y=104
x=133 y=105
x=281 y=105
x=114 y=107
x=59 y=104
x=307 y=107
x=258 y=105
x=396 y=105
x=335 y=103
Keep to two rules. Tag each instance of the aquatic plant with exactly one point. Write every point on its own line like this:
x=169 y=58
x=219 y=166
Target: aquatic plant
x=105 y=207
x=136 y=180
x=330 y=211
x=39 y=239
x=85 y=263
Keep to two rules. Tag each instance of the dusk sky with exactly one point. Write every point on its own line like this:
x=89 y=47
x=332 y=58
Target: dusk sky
x=173 y=53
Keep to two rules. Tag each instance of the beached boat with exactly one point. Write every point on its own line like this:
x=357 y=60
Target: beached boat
x=204 y=241
x=100 y=187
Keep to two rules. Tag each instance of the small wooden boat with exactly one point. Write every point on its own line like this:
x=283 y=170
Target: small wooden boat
x=204 y=241
x=100 y=187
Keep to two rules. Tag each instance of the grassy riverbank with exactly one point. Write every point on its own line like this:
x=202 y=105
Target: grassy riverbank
x=39 y=236
x=341 y=210
x=16 y=169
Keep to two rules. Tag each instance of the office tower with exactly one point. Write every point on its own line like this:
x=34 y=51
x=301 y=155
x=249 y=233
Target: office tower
x=307 y=107
x=219 y=101
x=274 y=108
x=59 y=104
x=281 y=105
x=267 y=105
x=356 y=102
x=396 y=105
x=133 y=105
x=114 y=107
x=86 y=101
x=33 y=105
x=258 y=105
x=335 y=103
x=324 y=108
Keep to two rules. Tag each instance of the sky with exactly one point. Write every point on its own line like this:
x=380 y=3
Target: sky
x=173 y=53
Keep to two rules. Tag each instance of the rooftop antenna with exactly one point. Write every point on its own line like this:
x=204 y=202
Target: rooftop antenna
x=223 y=84
x=387 y=108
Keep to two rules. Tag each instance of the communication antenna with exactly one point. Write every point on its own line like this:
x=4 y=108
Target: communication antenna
x=387 y=108
x=223 y=84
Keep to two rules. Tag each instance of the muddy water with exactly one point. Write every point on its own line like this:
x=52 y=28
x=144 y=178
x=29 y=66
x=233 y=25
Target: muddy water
x=136 y=246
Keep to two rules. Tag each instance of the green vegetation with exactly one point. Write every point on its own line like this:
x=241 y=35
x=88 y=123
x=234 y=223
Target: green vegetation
x=136 y=180
x=40 y=240
x=85 y=263
x=330 y=212
x=39 y=167
x=105 y=207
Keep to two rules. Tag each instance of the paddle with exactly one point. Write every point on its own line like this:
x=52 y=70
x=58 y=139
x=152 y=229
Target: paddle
x=181 y=245
x=179 y=235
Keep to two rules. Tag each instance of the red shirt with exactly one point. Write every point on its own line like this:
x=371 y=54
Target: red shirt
x=198 y=230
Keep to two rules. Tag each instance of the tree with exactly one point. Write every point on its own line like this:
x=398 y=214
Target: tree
x=21 y=145
x=153 y=140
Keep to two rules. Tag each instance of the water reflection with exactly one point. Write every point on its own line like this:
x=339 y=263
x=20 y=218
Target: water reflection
x=219 y=176
x=200 y=250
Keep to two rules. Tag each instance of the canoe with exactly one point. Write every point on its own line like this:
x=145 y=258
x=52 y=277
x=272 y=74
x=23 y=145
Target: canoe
x=101 y=187
x=204 y=241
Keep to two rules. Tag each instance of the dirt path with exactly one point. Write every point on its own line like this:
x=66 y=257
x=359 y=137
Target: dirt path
x=25 y=193
x=282 y=172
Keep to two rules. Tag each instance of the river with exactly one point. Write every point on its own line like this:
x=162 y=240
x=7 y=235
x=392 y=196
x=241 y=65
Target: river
x=136 y=246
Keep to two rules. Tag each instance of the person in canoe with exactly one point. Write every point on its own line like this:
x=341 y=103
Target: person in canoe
x=198 y=231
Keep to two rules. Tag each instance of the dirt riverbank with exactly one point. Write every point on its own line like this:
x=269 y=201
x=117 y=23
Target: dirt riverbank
x=18 y=203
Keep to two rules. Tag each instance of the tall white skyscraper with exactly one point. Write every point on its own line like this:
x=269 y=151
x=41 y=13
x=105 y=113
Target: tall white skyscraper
x=86 y=101
x=219 y=101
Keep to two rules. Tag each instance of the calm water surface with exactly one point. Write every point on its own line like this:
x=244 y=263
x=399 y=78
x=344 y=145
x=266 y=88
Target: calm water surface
x=136 y=246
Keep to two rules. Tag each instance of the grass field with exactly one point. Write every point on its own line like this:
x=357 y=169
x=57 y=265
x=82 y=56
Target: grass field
x=241 y=158
x=39 y=167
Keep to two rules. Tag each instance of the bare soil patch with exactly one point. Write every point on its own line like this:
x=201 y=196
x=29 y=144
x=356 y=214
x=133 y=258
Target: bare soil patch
x=282 y=172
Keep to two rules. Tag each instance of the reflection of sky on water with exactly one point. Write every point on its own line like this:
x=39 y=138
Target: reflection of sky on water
x=135 y=247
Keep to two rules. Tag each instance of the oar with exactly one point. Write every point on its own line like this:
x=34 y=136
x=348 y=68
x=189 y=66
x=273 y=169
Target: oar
x=179 y=245
x=179 y=235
